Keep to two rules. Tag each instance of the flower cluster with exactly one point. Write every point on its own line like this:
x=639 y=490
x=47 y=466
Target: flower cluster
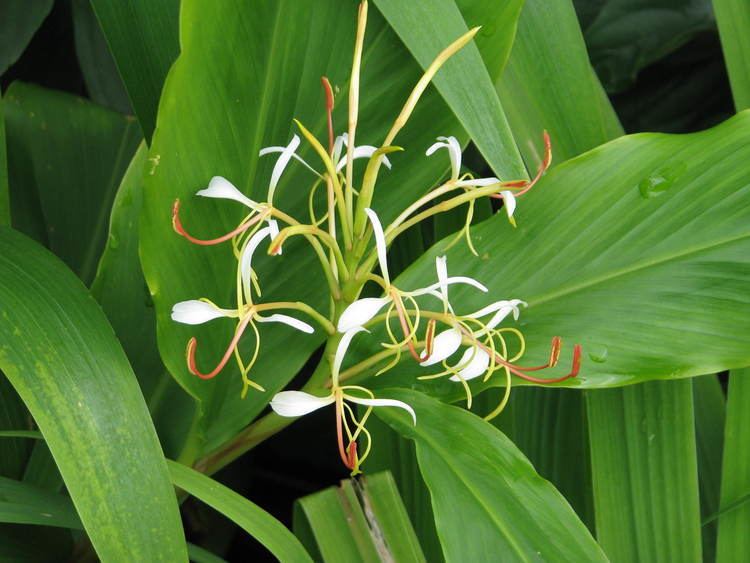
x=466 y=346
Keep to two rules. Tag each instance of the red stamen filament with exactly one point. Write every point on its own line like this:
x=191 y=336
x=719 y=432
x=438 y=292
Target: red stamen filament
x=345 y=456
x=525 y=184
x=405 y=327
x=193 y=345
x=429 y=339
x=180 y=230
x=329 y=110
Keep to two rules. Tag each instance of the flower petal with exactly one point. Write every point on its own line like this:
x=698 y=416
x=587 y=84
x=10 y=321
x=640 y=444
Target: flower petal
x=298 y=403
x=477 y=361
x=221 y=188
x=274 y=231
x=195 y=312
x=341 y=141
x=363 y=151
x=287 y=320
x=281 y=164
x=448 y=281
x=454 y=152
x=498 y=305
x=509 y=202
x=477 y=182
x=444 y=345
x=360 y=312
x=377 y=229
x=295 y=156
x=383 y=403
x=246 y=266
x=343 y=346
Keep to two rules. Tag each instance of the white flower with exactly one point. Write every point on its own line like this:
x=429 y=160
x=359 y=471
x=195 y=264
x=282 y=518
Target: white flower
x=299 y=403
x=453 y=147
x=198 y=311
x=474 y=362
x=221 y=188
x=361 y=311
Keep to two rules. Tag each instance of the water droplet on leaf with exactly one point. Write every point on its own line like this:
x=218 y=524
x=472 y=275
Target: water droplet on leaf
x=598 y=354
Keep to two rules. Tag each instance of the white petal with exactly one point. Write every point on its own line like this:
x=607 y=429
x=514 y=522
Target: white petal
x=448 y=281
x=477 y=182
x=360 y=312
x=341 y=140
x=444 y=345
x=454 y=152
x=384 y=403
x=246 y=266
x=281 y=164
x=274 y=231
x=497 y=305
x=363 y=151
x=509 y=202
x=298 y=403
x=195 y=312
x=377 y=229
x=287 y=320
x=435 y=146
x=441 y=267
x=222 y=188
x=295 y=156
x=478 y=362
x=343 y=346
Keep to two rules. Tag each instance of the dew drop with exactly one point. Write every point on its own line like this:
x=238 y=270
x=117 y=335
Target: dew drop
x=661 y=180
x=598 y=354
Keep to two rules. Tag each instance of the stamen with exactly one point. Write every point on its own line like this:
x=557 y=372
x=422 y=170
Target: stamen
x=526 y=185
x=193 y=345
x=429 y=339
x=352 y=456
x=340 y=430
x=329 y=111
x=180 y=230
x=405 y=328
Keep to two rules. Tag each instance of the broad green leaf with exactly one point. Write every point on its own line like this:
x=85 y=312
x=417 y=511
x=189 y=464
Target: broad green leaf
x=41 y=469
x=60 y=354
x=593 y=246
x=20 y=20
x=624 y=36
x=248 y=516
x=4 y=200
x=733 y=542
x=72 y=154
x=710 y=409
x=103 y=82
x=244 y=73
x=548 y=84
x=464 y=82
x=488 y=499
x=362 y=520
x=199 y=555
x=733 y=18
x=646 y=490
x=143 y=63
x=21 y=503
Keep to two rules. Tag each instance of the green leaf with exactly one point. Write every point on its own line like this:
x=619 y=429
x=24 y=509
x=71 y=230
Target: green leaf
x=41 y=470
x=548 y=84
x=21 y=503
x=32 y=544
x=144 y=62
x=4 y=200
x=72 y=154
x=226 y=112
x=199 y=555
x=248 y=516
x=733 y=18
x=645 y=473
x=487 y=498
x=21 y=19
x=426 y=28
x=100 y=74
x=611 y=247
x=14 y=452
x=625 y=36
x=362 y=520
x=710 y=409
x=60 y=354
x=733 y=541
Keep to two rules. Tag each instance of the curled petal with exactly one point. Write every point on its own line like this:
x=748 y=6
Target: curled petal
x=477 y=182
x=340 y=142
x=295 y=156
x=195 y=312
x=454 y=152
x=448 y=281
x=274 y=232
x=343 y=346
x=298 y=403
x=380 y=245
x=287 y=320
x=513 y=304
x=383 y=403
x=444 y=345
x=478 y=362
x=509 y=202
x=247 y=255
x=441 y=267
x=360 y=312
x=222 y=188
x=363 y=151
x=281 y=164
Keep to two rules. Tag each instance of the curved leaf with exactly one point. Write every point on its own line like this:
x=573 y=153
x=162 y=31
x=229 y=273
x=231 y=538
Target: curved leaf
x=21 y=503
x=646 y=268
x=733 y=18
x=488 y=500
x=60 y=354
x=21 y=19
x=248 y=516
